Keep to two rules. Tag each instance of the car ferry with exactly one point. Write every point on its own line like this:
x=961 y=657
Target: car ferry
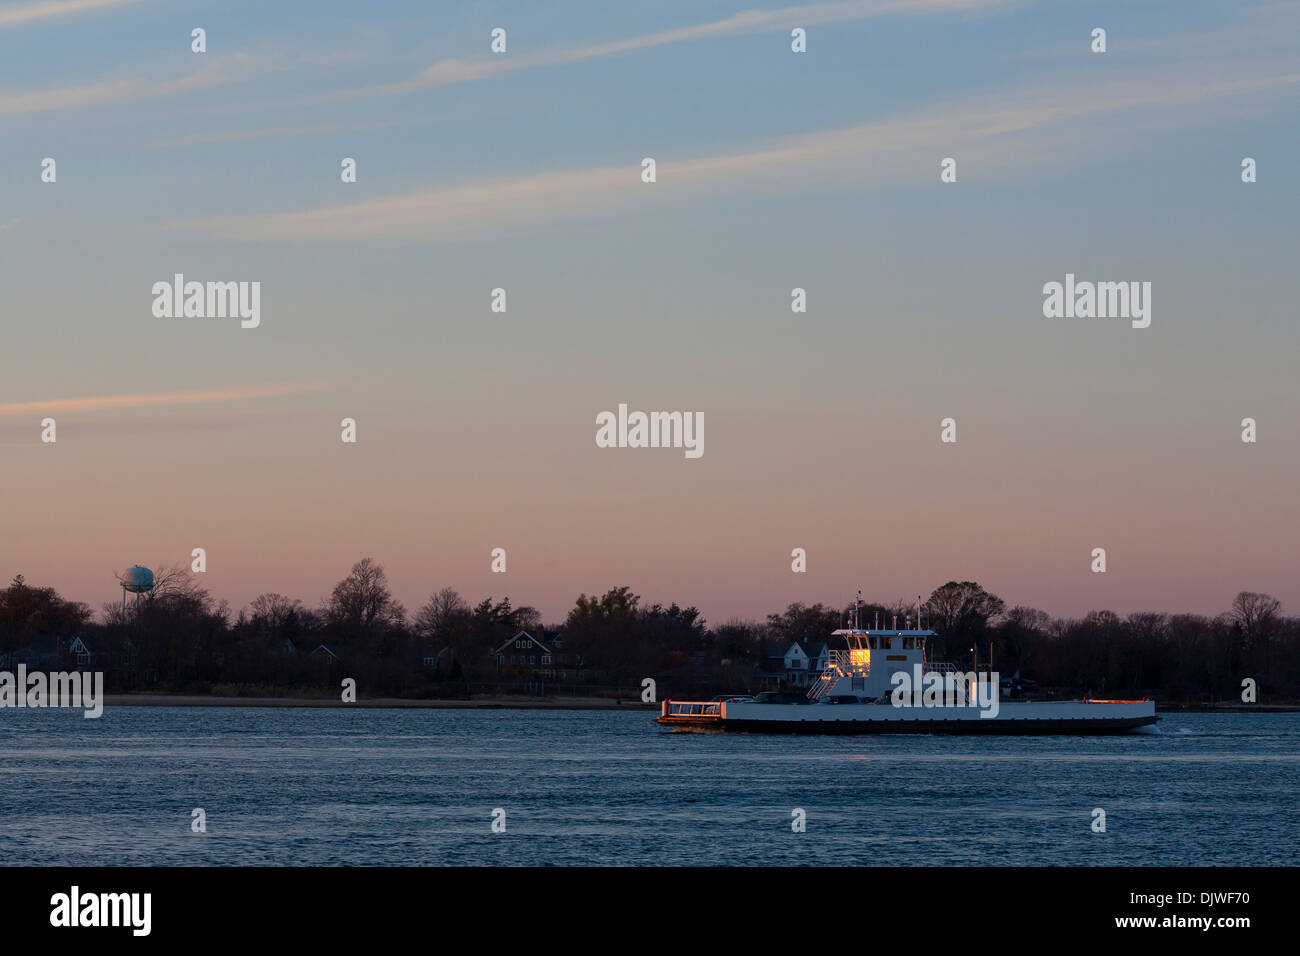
x=882 y=683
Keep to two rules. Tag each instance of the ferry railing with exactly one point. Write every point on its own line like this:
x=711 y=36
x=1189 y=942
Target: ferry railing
x=841 y=662
x=819 y=690
x=686 y=708
x=942 y=667
x=837 y=663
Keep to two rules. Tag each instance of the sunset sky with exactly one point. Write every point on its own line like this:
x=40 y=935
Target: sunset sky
x=775 y=170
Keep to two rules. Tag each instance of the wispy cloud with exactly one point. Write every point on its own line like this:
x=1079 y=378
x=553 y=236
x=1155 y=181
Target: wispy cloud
x=280 y=132
x=103 y=403
x=218 y=71
x=1262 y=27
x=746 y=22
x=1003 y=133
x=186 y=423
x=5 y=226
x=31 y=12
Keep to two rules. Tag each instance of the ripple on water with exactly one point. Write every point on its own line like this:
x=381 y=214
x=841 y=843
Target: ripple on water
x=385 y=787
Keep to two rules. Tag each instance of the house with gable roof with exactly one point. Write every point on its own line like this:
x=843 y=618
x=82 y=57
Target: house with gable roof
x=535 y=650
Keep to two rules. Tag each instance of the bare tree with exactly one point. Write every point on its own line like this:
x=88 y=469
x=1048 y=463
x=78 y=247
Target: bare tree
x=961 y=612
x=527 y=616
x=441 y=614
x=361 y=603
x=176 y=584
x=1030 y=619
x=1258 y=617
x=1255 y=614
x=271 y=611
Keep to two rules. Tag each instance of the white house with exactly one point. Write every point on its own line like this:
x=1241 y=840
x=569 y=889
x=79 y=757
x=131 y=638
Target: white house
x=804 y=662
x=801 y=662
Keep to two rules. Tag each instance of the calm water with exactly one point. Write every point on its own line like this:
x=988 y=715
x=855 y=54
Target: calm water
x=288 y=786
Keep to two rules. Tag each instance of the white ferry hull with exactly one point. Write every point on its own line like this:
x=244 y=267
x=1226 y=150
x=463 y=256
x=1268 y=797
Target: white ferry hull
x=1023 y=717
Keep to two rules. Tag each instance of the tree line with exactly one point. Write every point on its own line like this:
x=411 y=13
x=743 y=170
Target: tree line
x=180 y=638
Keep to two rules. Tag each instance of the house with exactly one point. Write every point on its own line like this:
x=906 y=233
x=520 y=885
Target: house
x=430 y=658
x=79 y=651
x=48 y=652
x=534 y=649
x=798 y=663
x=804 y=662
x=331 y=654
x=129 y=655
x=774 y=656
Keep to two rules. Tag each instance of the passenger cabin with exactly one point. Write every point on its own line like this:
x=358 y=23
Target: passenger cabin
x=869 y=659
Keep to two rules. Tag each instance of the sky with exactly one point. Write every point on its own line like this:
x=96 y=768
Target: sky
x=775 y=170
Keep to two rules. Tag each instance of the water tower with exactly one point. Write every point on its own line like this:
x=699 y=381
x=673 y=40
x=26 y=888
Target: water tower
x=137 y=580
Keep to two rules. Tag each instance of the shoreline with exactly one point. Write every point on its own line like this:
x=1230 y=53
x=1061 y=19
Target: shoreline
x=1229 y=709
x=391 y=703
x=508 y=702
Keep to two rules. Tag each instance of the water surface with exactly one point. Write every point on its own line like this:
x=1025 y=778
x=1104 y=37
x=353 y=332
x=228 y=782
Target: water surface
x=419 y=787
